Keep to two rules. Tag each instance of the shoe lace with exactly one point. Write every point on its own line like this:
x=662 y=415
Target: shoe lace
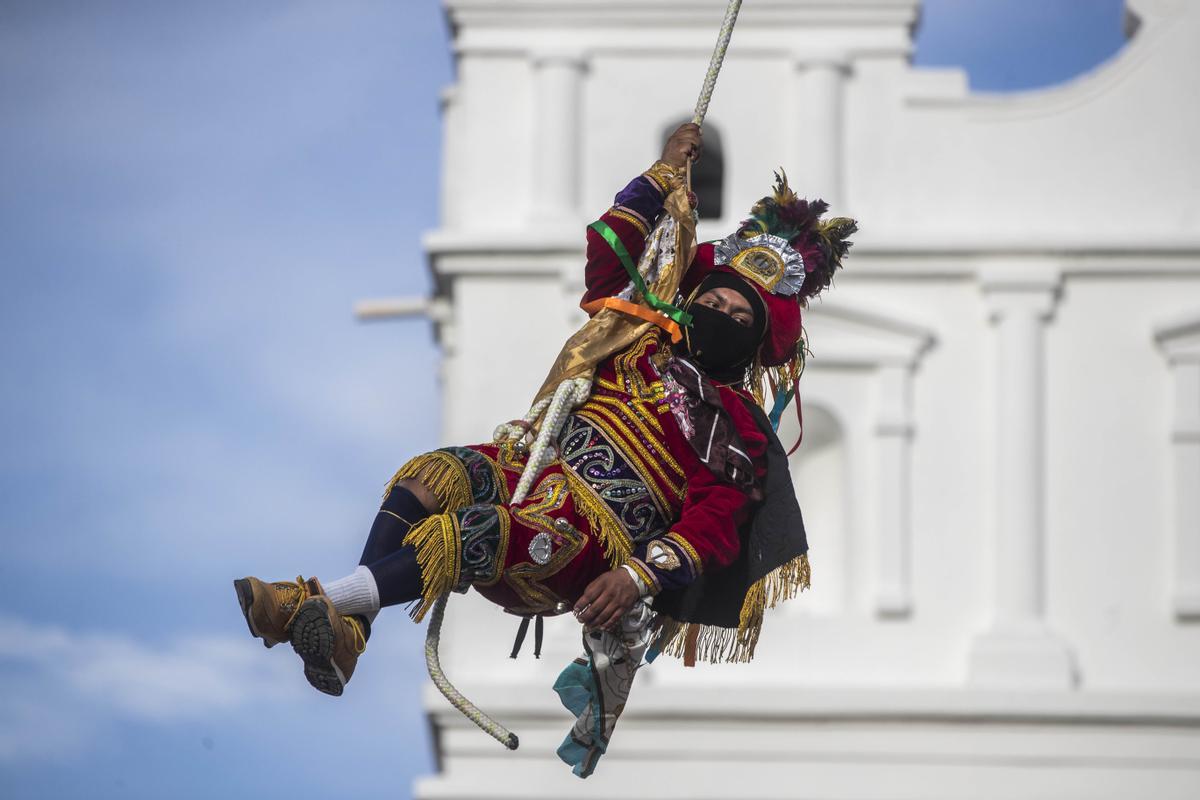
x=360 y=638
x=295 y=594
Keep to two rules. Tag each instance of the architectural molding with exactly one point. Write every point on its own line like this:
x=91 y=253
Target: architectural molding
x=543 y=57
x=867 y=337
x=888 y=744
x=681 y=14
x=817 y=114
x=854 y=336
x=769 y=700
x=875 y=255
x=557 y=136
x=1019 y=649
x=1179 y=340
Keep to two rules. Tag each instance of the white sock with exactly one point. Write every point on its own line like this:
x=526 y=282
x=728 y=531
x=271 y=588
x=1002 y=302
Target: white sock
x=355 y=594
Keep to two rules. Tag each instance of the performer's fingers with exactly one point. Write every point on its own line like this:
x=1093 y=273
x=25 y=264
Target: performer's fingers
x=585 y=613
x=588 y=597
x=586 y=609
x=614 y=617
x=596 y=611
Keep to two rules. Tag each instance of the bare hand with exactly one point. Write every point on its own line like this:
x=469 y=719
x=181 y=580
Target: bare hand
x=607 y=599
x=686 y=144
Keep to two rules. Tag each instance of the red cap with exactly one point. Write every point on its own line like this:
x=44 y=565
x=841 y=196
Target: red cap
x=783 y=324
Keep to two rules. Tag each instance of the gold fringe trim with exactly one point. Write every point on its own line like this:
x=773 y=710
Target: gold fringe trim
x=440 y=473
x=603 y=524
x=762 y=381
x=437 y=542
x=715 y=644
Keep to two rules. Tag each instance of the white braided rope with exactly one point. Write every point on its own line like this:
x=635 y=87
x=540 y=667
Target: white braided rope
x=714 y=64
x=469 y=710
x=569 y=395
x=512 y=433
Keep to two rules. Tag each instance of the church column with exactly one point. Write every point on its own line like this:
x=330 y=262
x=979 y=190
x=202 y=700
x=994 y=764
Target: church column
x=1180 y=341
x=557 y=86
x=452 y=141
x=818 y=131
x=893 y=443
x=1019 y=650
x=1185 y=446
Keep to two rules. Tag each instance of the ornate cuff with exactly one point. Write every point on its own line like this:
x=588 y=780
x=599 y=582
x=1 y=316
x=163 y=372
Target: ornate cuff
x=666 y=177
x=642 y=576
x=687 y=552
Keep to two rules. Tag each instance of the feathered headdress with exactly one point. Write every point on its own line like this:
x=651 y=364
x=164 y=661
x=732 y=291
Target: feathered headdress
x=790 y=254
x=822 y=244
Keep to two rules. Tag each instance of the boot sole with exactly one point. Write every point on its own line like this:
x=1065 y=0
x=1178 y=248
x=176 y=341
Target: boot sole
x=312 y=639
x=245 y=596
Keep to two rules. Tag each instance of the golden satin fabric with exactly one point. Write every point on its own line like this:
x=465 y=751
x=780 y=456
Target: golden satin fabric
x=610 y=331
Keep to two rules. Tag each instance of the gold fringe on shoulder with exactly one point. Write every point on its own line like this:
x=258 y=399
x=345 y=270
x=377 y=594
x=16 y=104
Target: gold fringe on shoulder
x=437 y=541
x=715 y=644
x=440 y=473
x=601 y=521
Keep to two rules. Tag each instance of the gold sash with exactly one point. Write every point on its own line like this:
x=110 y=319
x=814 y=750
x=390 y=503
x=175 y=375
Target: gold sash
x=611 y=331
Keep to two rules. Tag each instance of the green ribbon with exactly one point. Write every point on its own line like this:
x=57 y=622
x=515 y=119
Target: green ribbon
x=666 y=309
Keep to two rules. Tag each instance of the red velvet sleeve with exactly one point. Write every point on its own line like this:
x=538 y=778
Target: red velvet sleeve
x=636 y=208
x=705 y=537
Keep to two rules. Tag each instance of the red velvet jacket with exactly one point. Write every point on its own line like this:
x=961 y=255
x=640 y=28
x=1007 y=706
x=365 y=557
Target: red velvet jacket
x=705 y=510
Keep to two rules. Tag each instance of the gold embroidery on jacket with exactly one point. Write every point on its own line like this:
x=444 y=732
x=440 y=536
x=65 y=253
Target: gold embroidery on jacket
x=526 y=578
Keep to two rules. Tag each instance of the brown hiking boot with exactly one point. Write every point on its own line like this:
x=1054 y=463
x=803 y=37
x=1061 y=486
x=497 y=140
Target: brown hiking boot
x=269 y=608
x=329 y=642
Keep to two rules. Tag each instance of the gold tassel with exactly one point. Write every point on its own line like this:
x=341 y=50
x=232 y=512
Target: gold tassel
x=440 y=473
x=715 y=644
x=602 y=523
x=437 y=542
x=775 y=587
x=711 y=643
x=757 y=373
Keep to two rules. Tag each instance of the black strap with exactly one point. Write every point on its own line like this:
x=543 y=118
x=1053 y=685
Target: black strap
x=537 y=635
x=521 y=631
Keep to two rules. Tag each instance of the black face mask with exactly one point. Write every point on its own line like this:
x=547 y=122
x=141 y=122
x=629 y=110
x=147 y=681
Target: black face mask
x=720 y=345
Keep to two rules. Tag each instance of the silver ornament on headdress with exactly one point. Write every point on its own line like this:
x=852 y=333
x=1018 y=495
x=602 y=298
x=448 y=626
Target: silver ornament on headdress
x=768 y=260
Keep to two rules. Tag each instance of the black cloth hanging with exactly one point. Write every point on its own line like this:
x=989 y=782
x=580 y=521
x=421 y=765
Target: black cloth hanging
x=774 y=537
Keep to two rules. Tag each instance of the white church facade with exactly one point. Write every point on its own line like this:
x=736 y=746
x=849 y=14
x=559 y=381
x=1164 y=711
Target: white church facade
x=1001 y=467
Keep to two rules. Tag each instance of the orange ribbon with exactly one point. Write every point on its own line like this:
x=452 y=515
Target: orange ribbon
x=634 y=310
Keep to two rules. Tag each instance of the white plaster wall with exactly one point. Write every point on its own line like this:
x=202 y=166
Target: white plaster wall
x=1052 y=167
x=491 y=157
x=1109 y=453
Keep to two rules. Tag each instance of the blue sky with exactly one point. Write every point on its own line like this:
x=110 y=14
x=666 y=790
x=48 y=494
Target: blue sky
x=193 y=197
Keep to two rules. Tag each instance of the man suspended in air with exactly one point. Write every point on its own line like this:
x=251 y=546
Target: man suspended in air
x=656 y=504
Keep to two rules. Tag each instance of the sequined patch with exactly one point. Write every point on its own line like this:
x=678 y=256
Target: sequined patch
x=662 y=556
x=484 y=532
x=589 y=454
x=541 y=548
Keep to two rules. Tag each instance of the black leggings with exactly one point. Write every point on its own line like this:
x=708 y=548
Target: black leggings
x=393 y=563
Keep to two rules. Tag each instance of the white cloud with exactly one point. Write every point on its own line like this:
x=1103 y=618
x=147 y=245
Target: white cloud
x=31 y=728
x=69 y=684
